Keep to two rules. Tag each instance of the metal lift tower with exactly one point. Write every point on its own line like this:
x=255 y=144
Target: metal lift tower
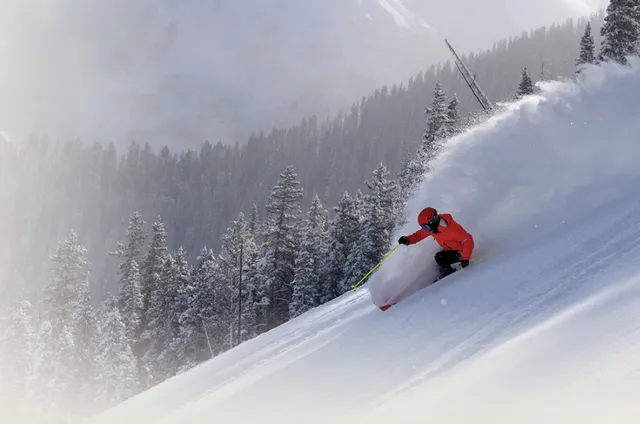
x=471 y=82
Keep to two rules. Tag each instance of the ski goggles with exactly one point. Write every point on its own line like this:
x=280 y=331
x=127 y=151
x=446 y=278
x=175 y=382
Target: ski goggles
x=432 y=224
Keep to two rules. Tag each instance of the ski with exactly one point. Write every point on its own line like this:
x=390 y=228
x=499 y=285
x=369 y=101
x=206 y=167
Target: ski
x=473 y=260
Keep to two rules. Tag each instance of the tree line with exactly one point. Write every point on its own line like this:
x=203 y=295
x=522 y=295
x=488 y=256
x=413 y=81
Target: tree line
x=48 y=187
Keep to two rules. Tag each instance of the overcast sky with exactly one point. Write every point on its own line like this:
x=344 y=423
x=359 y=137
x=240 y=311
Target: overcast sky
x=187 y=71
x=479 y=23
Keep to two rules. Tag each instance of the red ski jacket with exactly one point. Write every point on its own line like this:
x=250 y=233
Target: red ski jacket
x=450 y=236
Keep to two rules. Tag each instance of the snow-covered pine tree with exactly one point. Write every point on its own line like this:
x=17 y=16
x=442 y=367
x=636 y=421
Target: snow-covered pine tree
x=381 y=201
x=176 y=282
x=525 y=87
x=358 y=261
x=18 y=343
x=360 y=203
x=130 y=298
x=441 y=121
x=405 y=183
x=587 y=49
x=281 y=241
x=377 y=227
x=158 y=332
x=344 y=232
x=117 y=376
x=45 y=369
x=68 y=287
x=67 y=296
x=250 y=295
x=228 y=301
x=254 y=222
x=621 y=31
x=64 y=384
x=153 y=262
x=83 y=331
x=201 y=314
x=131 y=303
x=453 y=115
x=310 y=262
x=437 y=119
x=152 y=295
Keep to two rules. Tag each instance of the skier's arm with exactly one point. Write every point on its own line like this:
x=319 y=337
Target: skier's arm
x=467 y=248
x=419 y=235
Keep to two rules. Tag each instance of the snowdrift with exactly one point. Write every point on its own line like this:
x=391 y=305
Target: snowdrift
x=524 y=172
x=546 y=329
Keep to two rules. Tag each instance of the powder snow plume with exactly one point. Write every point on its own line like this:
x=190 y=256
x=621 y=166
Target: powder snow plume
x=520 y=173
x=544 y=330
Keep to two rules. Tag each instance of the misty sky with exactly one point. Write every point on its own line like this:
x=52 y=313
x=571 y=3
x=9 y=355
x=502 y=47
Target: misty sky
x=181 y=72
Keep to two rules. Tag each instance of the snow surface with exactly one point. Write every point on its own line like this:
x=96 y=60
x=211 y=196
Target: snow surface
x=545 y=329
x=401 y=15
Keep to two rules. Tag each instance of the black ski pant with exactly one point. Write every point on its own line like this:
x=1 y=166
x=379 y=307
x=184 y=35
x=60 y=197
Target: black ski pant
x=444 y=259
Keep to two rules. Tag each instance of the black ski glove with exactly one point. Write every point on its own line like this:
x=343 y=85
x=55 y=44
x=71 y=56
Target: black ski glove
x=464 y=263
x=403 y=240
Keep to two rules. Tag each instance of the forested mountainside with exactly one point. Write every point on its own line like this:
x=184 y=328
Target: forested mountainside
x=161 y=260
x=48 y=188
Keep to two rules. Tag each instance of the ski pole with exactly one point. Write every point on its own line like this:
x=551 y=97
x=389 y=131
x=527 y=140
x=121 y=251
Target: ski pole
x=355 y=286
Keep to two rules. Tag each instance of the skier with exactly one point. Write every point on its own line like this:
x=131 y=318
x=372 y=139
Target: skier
x=456 y=242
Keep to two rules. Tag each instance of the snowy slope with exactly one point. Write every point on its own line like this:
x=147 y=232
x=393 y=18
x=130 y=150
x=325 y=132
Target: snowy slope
x=546 y=329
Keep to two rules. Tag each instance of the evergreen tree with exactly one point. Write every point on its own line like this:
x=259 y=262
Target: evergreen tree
x=587 y=48
x=251 y=298
x=68 y=289
x=453 y=115
x=83 y=359
x=158 y=331
x=344 y=231
x=235 y=296
x=310 y=261
x=167 y=303
x=525 y=87
x=441 y=121
x=68 y=298
x=229 y=267
x=46 y=359
x=358 y=261
x=18 y=344
x=381 y=209
x=281 y=242
x=117 y=377
x=153 y=263
x=438 y=119
x=153 y=271
x=377 y=226
x=406 y=184
x=200 y=317
x=175 y=297
x=621 y=30
x=130 y=299
x=255 y=220
x=63 y=383
x=131 y=302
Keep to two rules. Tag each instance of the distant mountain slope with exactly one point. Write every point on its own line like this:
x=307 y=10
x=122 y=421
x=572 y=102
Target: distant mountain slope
x=179 y=73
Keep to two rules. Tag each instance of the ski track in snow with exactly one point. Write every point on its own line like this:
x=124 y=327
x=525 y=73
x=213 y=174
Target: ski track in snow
x=545 y=329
